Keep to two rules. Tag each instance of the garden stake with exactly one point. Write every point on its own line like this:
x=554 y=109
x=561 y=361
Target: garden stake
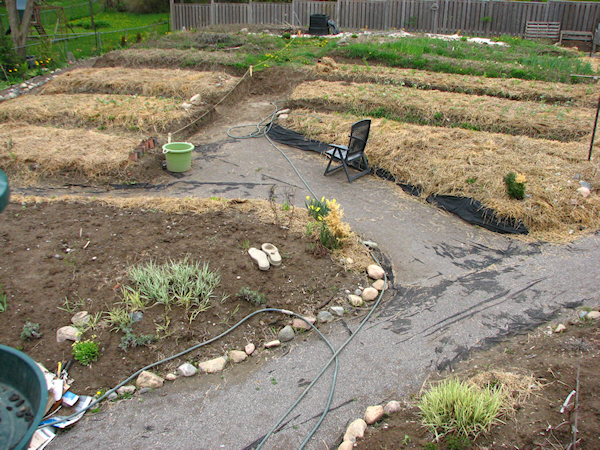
x=594 y=132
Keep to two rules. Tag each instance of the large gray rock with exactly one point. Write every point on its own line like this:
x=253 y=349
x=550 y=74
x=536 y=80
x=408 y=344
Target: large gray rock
x=370 y=294
x=149 y=380
x=67 y=333
x=237 y=356
x=355 y=300
x=337 y=310
x=286 y=334
x=128 y=389
x=375 y=272
x=214 y=365
x=81 y=318
x=325 y=316
x=373 y=414
x=355 y=430
x=187 y=370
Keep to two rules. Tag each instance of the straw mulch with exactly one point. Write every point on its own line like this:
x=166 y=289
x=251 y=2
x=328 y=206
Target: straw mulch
x=170 y=58
x=579 y=94
x=473 y=164
x=29 y=151
x=149 y=82
x=353 y=256
x=447 y=109
x=515 y=388
x=125 y=112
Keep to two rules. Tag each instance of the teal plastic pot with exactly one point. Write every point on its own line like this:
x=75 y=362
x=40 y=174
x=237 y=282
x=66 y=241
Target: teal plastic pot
x=179 y=156
x=24 y=393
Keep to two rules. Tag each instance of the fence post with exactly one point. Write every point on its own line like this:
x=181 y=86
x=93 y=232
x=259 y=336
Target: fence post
x=212 y=12
x=172 y=13
x=488 y=26
x=295 y=13
x=338 y=11
x=250 y=12
x=99 y=42
x=387 y=20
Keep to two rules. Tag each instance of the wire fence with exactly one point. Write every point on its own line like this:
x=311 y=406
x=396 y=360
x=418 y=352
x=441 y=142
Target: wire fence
x=85 y=45
x=50 y=17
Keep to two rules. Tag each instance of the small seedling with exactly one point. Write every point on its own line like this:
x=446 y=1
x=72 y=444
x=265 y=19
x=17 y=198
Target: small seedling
x=2 y=300
x=245 y=245
x=133 y=340
x=31 y=331
x=86 y=352
x=515 y=185
x=273 y=381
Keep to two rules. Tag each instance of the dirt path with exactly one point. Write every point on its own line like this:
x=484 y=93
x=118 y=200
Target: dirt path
x=455 y=288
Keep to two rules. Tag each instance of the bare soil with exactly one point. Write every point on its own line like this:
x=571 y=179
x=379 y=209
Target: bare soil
x=52 y=252
x=553 y=360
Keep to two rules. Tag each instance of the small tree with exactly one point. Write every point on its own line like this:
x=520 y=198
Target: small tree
x=19 y=28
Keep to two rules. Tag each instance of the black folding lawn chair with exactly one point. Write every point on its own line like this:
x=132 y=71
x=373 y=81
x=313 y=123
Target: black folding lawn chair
x=353 y=154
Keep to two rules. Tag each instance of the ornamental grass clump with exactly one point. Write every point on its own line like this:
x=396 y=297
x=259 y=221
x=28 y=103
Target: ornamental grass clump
x=458 y=407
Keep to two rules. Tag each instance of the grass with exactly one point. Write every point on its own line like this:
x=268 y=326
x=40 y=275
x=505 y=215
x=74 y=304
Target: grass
x=456 y=407
x=118 y=318
x=520 y=59
x=254 y=297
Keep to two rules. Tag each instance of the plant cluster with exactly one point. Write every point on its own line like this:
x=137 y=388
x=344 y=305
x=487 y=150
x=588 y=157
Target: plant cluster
x=130 y=339
x=515 y=185
x=332 y=231
x=254 y=297
x=86 y=352
x=2 y=300
x=31 y=331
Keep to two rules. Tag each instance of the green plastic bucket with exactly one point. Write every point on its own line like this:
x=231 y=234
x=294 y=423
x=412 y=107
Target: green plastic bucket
x=23 y=397
x=179 y=156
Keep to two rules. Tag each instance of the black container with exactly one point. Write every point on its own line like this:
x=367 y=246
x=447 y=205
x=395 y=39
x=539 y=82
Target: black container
x=319 y=24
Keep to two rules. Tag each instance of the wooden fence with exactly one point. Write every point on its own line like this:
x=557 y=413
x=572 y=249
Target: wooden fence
x=471 y=17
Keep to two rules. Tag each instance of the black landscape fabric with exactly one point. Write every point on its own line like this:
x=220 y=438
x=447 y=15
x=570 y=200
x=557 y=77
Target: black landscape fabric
x=466 y=208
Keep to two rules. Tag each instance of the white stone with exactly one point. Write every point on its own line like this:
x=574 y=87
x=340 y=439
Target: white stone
x=244 y=30
x=283 y=116
x=585 y=192
x=249 y=348
x=375 y=272
x=355 y=300
x=67 y=333
x=237 y=356
x=81 y=318
x=379 y=285
x=23 y=85
x=593 y=315
x=129 y=389
x=11 y=95
x=355 y=430
x=325 y=316
x=373 y=414
x=560 y=328
x=213 y=366
x=187 y=370
x=196 y=100
x=346 y=445
x=186 y=106
x=349 y=261
x=171 y=377
x=370 y=294
x=286 y=334
x=272 y=344
x=392 y=407
x=337 y=310
x=149 y=380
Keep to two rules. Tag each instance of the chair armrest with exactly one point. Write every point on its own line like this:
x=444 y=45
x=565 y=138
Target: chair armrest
x=341 y=147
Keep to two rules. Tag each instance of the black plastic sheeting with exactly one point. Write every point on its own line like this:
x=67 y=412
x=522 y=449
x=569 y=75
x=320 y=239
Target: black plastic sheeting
x=466 y=208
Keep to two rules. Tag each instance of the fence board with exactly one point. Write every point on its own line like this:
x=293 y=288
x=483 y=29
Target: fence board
x=507 y=18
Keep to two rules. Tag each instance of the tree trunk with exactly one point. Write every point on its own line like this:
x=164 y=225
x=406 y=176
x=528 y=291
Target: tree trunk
x=19 y=29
